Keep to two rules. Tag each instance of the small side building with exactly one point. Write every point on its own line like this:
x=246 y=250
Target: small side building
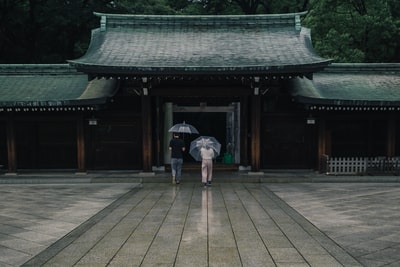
x=356 y=109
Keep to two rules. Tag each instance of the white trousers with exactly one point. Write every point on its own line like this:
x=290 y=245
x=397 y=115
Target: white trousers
x=206 y=170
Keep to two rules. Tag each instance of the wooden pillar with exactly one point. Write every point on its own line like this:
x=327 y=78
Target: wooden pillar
x=158 y=133
x=391 y=137
x=244 y=132
x=80 y=141
x=322 y=141
x=147 y=132
x=168 y=121
x=11 y=146
x=255 y=132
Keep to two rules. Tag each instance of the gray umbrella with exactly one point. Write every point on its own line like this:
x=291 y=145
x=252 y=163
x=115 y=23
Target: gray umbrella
x=183 y=128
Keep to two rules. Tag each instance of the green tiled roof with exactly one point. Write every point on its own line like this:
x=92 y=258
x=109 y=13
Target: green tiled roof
x=350 y=85
x=37 y=87
x=247 y=44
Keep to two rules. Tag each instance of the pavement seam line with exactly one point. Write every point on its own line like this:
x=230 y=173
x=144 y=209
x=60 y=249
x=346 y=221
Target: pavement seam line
x=231 y=221
x=121 y=218
x=276 y=223
x=159 y=226
x=302 y=221
x=252 y=221
x=134 y=229
x=44 y=256
x=184 y=223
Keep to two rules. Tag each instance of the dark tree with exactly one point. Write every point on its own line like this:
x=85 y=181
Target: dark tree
x=356 y=30
x=46 y=31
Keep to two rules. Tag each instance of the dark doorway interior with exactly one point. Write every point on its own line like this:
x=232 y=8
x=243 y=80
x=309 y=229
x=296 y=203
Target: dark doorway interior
x=207 y=123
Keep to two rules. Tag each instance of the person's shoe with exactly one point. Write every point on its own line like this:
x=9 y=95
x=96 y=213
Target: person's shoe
x=209 y=183
x=178 y=182
x=173 y=180
x=205 y=185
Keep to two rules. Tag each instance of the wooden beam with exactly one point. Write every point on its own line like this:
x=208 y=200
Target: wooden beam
x=191 y=91
x=199 y=109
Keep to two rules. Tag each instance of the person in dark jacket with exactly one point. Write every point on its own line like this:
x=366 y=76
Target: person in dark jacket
x=177 y=147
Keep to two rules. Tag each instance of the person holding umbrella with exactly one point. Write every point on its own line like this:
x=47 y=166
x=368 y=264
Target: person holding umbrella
x=205 y=149
x=177 y=146
x=207 y=155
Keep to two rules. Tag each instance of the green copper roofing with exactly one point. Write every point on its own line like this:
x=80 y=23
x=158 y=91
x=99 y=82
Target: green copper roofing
x=350 y=85
x=39 y=86
x=245 y=44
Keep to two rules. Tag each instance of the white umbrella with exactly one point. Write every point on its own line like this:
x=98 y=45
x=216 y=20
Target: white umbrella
x=206 y=142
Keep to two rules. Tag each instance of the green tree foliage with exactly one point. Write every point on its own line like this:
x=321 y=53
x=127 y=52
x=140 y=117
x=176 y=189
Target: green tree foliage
x=355 y=30
x=46 y=31
x=145 y=7
x=186 y=7
x=271 y=7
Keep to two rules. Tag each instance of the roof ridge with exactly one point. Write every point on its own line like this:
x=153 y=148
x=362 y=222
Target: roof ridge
x=280 y=15
x=117 y=20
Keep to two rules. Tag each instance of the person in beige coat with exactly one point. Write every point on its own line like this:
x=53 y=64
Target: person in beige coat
x=207 y=155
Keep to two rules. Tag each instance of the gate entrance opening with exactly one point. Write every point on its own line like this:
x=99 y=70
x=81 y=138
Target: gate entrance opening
x=222 y=122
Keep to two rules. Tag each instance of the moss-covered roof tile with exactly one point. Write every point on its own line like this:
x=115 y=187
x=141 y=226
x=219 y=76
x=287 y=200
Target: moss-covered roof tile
x=133 y=44
x=33 y=86
x=351 y=85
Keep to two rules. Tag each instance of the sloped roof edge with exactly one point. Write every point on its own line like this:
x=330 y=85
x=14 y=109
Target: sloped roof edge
x=51 y=87
x=98 y=91
x=350 y=85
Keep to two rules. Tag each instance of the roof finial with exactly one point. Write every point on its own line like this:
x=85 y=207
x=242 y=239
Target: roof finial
x=103 y=23
x=297 y=22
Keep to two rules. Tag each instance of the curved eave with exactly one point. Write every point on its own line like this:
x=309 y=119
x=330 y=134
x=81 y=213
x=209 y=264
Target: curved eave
x=99 y=70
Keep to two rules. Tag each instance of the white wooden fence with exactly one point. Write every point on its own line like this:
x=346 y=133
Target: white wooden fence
x=360 y=165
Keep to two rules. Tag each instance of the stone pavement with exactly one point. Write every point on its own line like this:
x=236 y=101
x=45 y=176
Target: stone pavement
x=228 y=224
x=363 y=218
x=34 y=216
